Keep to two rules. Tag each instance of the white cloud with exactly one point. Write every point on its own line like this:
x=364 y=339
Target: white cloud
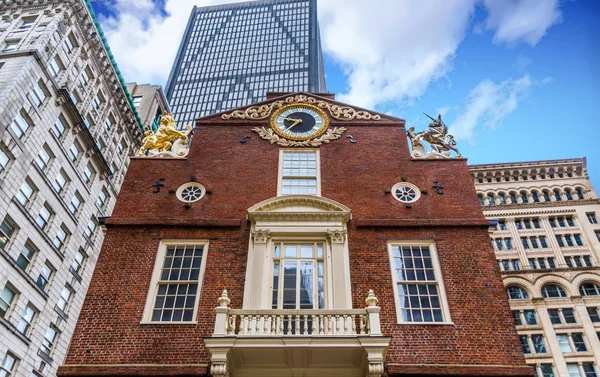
x=521 y=20
x=390 y=50
x=144 y=41
x=487 y=105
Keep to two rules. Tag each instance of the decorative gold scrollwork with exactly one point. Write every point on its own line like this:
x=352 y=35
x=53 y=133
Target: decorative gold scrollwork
x=336 y=111
x=273 y=138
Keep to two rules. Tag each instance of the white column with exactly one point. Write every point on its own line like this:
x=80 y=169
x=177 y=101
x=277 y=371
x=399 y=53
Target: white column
x=256 y=268
x=550 y=338
x=340 y=270
x=588 y=328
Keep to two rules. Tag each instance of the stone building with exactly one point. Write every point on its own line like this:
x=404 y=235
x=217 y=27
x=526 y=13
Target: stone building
x=282 y=243
x=67 y=128
x=150 y=103
x=547 y=243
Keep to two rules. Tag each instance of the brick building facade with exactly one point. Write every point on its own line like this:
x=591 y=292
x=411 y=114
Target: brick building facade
x=297 y=207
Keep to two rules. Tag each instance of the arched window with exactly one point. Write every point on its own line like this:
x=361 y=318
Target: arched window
x=524 y=197
x=553 y=290
x=557 y=195
x=516 y=293
x=535 y=197
x=589 y=289
x=502 y=199
x=480 y=197
x=568 y=194
x=513 y=197
x=546 y=196
x=491 y=199
x=579 y=193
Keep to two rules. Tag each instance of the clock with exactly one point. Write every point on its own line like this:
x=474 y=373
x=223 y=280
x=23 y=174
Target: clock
x=299 y=122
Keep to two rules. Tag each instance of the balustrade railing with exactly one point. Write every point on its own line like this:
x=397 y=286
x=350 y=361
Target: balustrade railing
x=301 y=322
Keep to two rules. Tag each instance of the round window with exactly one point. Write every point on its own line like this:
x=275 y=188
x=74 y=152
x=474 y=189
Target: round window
x=406 y=192
x=190 y=192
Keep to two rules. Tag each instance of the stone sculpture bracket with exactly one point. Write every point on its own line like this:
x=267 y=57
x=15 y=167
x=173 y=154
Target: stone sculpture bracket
x=167 y=141
x=441 y=142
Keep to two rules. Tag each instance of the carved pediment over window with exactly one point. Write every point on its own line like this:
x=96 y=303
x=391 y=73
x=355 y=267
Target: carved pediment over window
x=299 y=208
x=338 y=112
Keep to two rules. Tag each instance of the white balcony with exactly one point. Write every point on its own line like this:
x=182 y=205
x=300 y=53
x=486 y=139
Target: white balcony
x=345 y=342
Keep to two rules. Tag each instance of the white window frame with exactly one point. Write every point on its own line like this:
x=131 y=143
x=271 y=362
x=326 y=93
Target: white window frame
x=14 y=365
x=20 y=125
x=39 y=94
x=44 y=157
x=158 y=263
x=10 y=45
x=55 y=66
x=282 y=151
x=4 y=160
x=438 y=276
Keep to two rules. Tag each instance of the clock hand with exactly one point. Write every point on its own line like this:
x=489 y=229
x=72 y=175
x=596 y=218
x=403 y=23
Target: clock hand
x=296 y=122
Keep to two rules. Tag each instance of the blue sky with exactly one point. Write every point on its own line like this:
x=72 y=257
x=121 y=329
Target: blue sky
x=515 y=80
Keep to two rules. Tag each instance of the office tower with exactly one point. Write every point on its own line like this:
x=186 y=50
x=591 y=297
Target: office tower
x=232 y=55
x=67 y=128
x=547 y=243
x=338 y=255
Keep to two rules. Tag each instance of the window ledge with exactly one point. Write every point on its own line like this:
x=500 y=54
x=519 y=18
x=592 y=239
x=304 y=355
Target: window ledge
x=44 y=356
x=75 y=274
x=168 y=323
x=62 y=314
x=426 y=323
x=36 y=227
x=11 y=328
x=28 y=278
x=577 y=354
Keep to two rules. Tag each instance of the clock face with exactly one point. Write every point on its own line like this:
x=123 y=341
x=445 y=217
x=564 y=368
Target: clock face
x=299 y=122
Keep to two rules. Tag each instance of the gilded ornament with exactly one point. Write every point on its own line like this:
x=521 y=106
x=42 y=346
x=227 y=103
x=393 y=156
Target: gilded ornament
x=166 y=141
x=273 y=138
x=336 y=111
x=437 y=136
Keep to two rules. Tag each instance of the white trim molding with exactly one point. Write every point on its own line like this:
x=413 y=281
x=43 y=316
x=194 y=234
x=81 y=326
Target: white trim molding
x=298 y=218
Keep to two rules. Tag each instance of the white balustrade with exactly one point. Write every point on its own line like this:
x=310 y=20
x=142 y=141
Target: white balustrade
x=297 y=322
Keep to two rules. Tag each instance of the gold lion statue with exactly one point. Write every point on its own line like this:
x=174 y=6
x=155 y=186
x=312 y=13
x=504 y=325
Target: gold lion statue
x=164 y=137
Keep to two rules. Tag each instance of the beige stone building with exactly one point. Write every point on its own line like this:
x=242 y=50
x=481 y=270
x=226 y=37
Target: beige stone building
x=547 y=242
x=67 y=129
x=149 y=101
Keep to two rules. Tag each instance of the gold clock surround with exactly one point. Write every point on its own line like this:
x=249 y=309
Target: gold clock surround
x=275 y=115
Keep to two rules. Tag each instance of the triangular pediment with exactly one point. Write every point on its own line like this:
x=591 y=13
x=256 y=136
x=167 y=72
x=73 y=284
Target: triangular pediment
x=299 y=207
x=337 y=111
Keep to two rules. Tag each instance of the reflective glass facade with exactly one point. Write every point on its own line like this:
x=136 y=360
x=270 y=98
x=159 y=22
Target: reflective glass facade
x=232 y=55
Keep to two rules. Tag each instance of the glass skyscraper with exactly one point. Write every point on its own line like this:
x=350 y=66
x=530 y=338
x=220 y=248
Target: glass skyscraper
x=232 y=55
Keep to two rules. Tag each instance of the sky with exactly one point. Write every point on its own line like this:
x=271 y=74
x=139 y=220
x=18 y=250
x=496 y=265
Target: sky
x=515 y=80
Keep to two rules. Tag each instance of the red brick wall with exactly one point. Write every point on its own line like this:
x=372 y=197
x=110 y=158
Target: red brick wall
x=239 y=175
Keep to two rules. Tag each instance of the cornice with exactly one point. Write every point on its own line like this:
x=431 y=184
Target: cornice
x=529 y=164
x=80 y=13
x=547 y=206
